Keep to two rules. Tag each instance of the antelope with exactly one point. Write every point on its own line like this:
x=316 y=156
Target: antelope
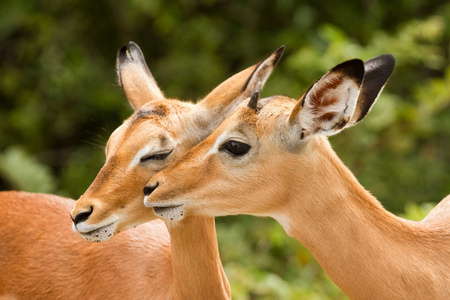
x=41 y=257
x=271 y=157
x=160 y=131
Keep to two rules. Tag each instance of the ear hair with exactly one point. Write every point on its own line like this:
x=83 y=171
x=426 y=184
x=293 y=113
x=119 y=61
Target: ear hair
x=330 y=102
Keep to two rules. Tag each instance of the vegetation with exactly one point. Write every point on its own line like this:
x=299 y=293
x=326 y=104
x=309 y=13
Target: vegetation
x=60 y=100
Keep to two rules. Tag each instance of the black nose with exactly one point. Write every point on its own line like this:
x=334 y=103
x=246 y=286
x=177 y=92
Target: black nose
x=150 y=188
x=82 y=216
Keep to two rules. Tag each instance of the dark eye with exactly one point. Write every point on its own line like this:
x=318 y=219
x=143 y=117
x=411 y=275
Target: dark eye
x=159 y=156
x=235 y=148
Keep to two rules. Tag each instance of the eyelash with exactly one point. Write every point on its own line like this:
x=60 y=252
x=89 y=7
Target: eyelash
x=159 y=156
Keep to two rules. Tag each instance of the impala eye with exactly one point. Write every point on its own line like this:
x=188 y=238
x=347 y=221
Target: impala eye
x=158 y=156
x=235 y=148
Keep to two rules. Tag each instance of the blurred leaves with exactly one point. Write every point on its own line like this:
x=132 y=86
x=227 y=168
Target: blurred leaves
x=23 y=172
x=417 y=212
x=60 y=101
x=261 y=262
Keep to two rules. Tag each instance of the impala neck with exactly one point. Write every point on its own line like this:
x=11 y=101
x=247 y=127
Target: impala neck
x=364 y=249
x=198 y=271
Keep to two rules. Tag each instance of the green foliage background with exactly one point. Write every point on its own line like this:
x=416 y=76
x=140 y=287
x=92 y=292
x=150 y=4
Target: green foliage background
x=60 y=100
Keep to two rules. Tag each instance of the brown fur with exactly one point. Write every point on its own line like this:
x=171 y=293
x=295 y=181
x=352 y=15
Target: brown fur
x=318 y=98
x=42 y=258
x=326 y=117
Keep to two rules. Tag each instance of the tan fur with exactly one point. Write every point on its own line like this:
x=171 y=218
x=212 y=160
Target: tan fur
x=368 y=252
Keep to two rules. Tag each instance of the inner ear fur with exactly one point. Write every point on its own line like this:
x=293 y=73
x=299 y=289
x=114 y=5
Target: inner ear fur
x=329 y=103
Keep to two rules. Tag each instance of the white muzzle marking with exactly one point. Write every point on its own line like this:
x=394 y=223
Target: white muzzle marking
x=172 y=211
x=96 y=233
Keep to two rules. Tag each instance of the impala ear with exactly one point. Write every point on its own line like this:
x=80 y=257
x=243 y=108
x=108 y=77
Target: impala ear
x=329 y=103
x=135 y=77
x=376 y=73
x=229 y=94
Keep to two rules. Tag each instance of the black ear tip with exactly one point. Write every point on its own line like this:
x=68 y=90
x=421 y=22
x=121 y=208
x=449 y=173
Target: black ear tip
x=386 y=58
x=390 y=61
x=122 y=55
x=353 y=68
x=386 y=61
x=278 y=54
x=133 y=47
x=136 y=52
x=130 y=52
x=132 y=44
x=377 y=72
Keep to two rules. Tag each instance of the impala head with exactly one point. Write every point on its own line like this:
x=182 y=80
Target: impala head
x=251 y=159
x=160 y=131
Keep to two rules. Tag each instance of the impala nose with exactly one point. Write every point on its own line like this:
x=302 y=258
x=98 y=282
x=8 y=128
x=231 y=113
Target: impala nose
x=150 y=188
x=82 y=216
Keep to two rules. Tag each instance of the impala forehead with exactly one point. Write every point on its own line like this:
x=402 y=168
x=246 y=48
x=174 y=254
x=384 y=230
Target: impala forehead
x=273 y=110
x=246 y=125
x=155 y=118
x=115 y=138
x=131 y=138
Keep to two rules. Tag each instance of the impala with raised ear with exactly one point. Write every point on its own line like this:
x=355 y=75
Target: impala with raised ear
x=159 y=132
x=42 y=258
x=271 y=158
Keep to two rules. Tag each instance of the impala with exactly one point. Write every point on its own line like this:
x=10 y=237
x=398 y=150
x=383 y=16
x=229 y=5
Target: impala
x=159 y=132
x=271 y=158
x=42 y=258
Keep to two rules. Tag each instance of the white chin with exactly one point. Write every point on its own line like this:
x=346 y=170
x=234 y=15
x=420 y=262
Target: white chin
x=172 y=213
x=102 y=234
